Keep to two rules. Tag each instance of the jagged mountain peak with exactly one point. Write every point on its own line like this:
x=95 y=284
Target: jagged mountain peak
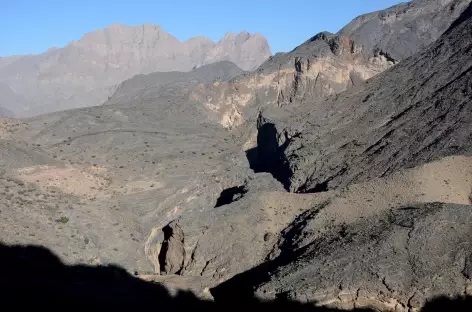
x=123 y=34
x=242 y=33
x=240 y=37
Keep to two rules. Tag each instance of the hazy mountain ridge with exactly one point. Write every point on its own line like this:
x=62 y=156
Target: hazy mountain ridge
x=86 y=72
x=161 y=84
x=4 y=61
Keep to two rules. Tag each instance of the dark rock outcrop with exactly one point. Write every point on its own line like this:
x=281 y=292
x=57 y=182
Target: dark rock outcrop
x=402 y=30
x=172 y=253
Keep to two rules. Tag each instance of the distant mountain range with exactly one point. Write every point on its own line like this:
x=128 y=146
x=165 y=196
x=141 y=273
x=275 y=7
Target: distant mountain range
x=86 y=72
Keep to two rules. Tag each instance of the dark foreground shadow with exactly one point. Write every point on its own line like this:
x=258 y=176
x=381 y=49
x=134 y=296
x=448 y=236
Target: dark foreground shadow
x=33 y=278
x=240 y=289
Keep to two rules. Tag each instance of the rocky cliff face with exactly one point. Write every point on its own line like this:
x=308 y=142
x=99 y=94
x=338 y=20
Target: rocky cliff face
x=86 y=72
x=331 y=63
x=324 y=65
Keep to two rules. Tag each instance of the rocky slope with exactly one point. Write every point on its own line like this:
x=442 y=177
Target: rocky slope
x=382 y=262
x=389 y=243
x=402 y=30
x=85 y=72
x=414 y=113
x=330 y=63
x=273 y=226
x=97 y=185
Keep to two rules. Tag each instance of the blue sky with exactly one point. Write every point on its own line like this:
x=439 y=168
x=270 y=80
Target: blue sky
x=32 y=26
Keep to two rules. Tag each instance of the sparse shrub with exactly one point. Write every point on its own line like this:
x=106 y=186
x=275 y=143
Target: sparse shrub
x=62 y=220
